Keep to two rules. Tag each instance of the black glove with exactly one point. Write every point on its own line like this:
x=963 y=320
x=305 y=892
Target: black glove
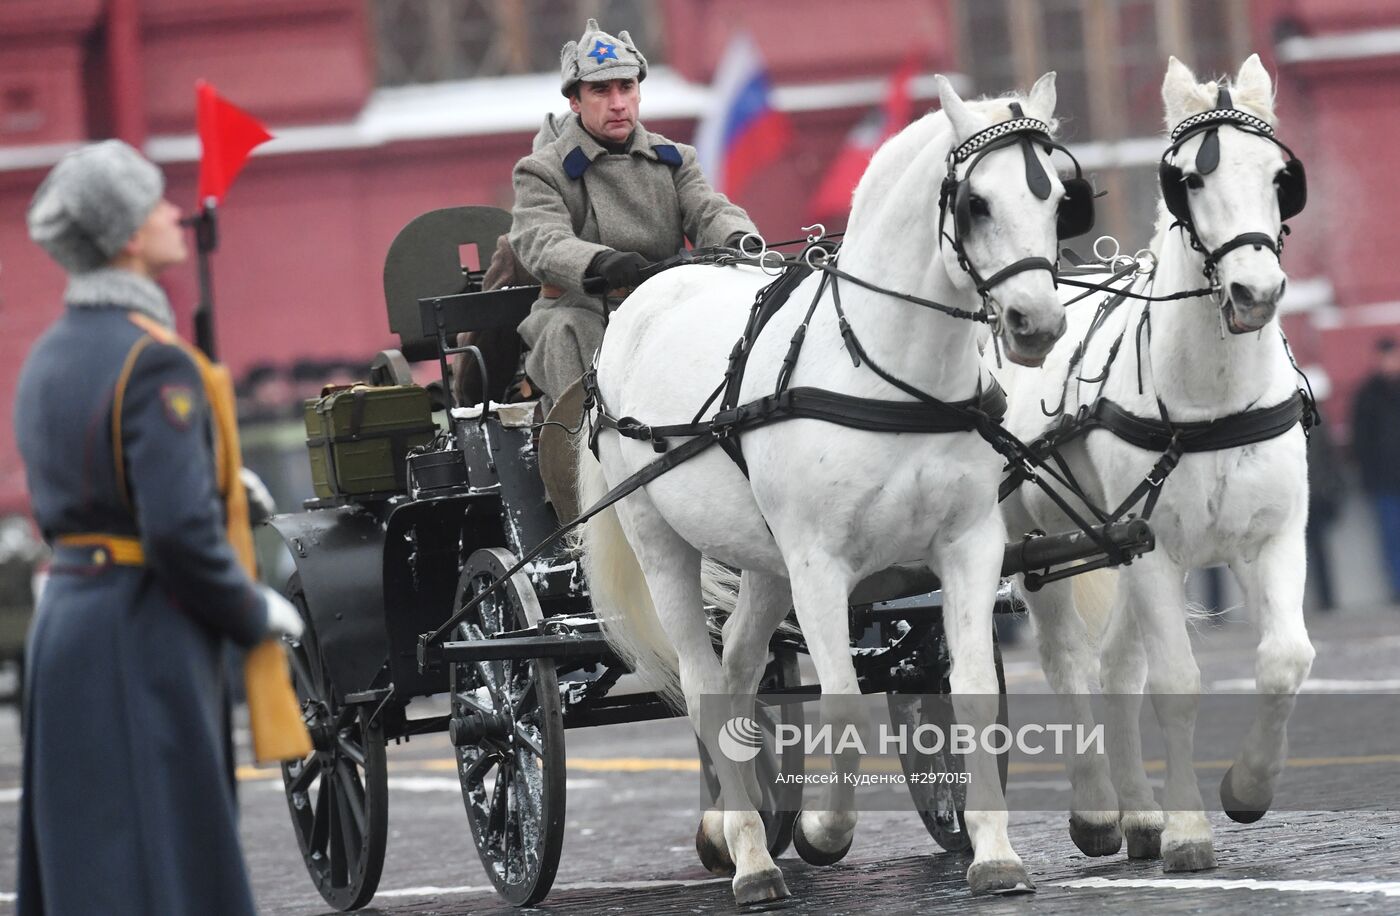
x=736 y=239
x=622 y=269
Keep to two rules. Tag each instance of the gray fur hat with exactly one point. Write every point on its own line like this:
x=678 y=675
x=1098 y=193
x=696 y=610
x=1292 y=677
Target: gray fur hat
x=599 y=56
x=92 y=202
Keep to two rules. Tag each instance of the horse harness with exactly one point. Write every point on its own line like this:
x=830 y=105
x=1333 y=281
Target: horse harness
x=982 y=413
x=926 y=414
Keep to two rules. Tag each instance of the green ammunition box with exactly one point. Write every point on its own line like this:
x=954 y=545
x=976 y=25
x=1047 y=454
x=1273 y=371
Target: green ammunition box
x=358 y=438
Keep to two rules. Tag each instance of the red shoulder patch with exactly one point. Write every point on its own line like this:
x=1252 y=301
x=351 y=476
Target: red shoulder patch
x=180 y=403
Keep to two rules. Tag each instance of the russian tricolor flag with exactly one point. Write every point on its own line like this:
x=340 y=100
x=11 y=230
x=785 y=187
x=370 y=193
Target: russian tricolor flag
x=742 y=131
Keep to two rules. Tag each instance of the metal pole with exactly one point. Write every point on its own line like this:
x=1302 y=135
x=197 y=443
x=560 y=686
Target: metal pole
x=206 y=234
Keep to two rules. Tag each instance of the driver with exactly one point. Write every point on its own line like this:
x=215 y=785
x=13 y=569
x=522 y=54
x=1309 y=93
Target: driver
x=603 y=198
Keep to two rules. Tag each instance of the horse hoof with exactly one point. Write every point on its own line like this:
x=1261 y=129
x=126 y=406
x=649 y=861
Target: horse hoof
x=1196 y=856
x=1003 y=878
x=1238 y=811
x=811 y=854
x=1095 y=839
x=760 y=887
x=715 y=858
x=1144 y=842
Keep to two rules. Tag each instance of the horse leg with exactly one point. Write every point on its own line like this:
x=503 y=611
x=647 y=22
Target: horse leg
x=1156 y=595
x=1123 y=667
x=762 y=604
x=820 y=594
x=1273 y=587
x=1068 y=657
x=672 y=570
x=969 y=569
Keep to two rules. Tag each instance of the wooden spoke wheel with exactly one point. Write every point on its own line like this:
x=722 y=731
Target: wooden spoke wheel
x=508 y=729
x=338 y=796
x=932 y=778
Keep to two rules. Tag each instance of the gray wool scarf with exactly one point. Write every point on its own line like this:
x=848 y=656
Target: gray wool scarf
x=111 y=287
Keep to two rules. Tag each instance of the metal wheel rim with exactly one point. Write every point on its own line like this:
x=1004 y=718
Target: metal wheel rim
x=340 y=822
x=941 y=804
x=517 y=823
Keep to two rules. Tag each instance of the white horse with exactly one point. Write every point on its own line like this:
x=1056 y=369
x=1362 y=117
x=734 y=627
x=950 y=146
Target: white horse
x=1205 y=358
x=824 y=505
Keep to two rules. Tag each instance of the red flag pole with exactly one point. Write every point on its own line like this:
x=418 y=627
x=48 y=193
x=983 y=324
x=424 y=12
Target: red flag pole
x=206 y=235
x=227 y=135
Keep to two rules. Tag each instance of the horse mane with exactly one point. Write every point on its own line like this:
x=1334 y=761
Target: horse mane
x=916 y=150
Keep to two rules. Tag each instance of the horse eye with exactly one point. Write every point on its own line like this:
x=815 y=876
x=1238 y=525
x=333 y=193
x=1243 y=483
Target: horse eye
x=979 y=206
x=1194 y=182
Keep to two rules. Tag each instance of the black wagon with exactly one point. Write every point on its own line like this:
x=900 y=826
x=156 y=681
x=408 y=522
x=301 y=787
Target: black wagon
x=382 y=560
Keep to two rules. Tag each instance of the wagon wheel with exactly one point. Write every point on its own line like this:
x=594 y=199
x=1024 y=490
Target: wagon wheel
x=780 y=815
x=940 y=804
x=338 y=796
x=779 y=804
x=508 y=728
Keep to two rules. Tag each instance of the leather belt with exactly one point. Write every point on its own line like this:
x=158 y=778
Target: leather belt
x=99 y=550
x=550 y=291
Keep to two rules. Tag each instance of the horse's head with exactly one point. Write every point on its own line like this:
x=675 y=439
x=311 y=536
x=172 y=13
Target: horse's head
x=1003 y=210
x=1231 y=185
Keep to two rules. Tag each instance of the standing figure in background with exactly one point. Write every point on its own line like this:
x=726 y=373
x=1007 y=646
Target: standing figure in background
x=128 y=801
x=603 y=199
x=1375 y=442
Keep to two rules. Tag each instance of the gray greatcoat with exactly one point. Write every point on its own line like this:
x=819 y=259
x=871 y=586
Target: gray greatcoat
x=573 y=200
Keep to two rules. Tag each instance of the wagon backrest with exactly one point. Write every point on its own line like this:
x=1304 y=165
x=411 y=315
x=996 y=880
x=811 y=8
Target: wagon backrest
x=425 y=260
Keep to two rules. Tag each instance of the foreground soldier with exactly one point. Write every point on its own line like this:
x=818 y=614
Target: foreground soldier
x=128 y=803
x=603 y=199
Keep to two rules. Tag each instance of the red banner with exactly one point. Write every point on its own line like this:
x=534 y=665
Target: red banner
x=227 y=134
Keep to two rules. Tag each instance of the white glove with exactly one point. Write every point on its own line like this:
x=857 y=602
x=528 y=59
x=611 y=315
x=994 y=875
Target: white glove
x=283 y=618
x=261 y=505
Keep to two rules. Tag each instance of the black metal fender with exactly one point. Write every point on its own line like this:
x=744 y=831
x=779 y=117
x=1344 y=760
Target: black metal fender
x=426 y=542
x=376 y=581
x=338 y=554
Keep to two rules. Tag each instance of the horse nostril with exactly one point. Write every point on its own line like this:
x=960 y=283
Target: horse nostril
x=1241 y=295
x=1017 y=321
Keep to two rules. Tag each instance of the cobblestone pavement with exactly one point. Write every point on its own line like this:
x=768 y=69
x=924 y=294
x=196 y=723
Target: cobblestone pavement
x=633 y=806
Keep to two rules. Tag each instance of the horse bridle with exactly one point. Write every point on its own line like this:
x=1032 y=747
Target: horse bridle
x=1076 y=214
x=1292 y=182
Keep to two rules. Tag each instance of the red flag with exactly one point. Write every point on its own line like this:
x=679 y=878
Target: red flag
x=833 y=195
x=227 y=135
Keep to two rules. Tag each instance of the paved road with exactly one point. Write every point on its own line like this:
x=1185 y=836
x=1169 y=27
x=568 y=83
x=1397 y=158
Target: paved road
x=633 y=805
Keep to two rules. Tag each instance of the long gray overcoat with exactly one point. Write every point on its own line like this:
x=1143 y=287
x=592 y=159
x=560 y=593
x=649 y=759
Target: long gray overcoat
x=574 y=199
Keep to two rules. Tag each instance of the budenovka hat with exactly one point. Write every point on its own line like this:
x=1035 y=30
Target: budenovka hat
x=598 y=56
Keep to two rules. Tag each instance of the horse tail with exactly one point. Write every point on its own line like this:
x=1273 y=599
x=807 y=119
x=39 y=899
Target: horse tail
x=719 y=584
x=1094 y=594
x=619 y=591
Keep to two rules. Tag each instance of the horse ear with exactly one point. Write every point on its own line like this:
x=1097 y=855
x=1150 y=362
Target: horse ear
x=1180 y=92
x=1041 y=101
x=1253 y=86
x=964 y=122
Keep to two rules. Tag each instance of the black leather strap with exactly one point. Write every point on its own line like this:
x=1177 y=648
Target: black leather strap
x=1234 y=431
